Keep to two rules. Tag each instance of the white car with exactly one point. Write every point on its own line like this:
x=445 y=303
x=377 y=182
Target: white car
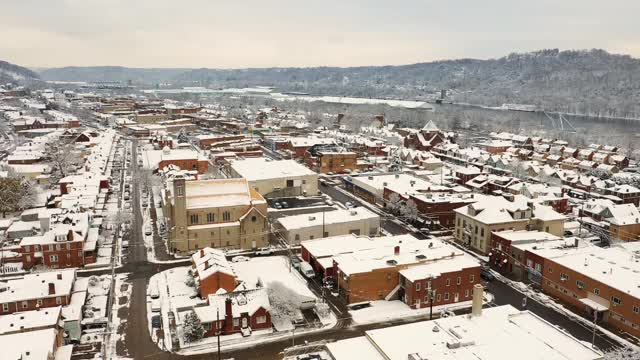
x=264 y=251
x=237 y=259
x=147 y=230
x=127 y=205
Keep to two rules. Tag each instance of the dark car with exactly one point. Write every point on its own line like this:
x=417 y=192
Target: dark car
x=156 y=321
x=487 y=275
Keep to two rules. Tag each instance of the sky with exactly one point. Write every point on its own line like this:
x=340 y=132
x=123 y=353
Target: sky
x=283 y=33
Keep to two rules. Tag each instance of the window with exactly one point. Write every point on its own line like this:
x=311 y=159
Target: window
x=580 y=284
x=446 y=296
x=482 y=232
x=458 y=221
x=297 y=237
x=25 y=304
x=550 y=270
x=53 y=258
x=438 y=297
x=179 y=191
x=194 y=218
x=26 y=248
x=58 y=300
x=418 y=302
x=428 y=284
x=596 y=291
x=546 y=229
x=476 y=229
x=458 y=280
x=564 y=277
x=5 y=307
x=417 y=286
x=472 y=278
x=636 y=309
x=236 y=322
x=79 y=253
x=226 y=216
x=211 y=217
x=39 y=302
x=466 y=293
x=261 y=319
x=616 y=300
x=448 y=282
x=426 y=298
x=253 y=219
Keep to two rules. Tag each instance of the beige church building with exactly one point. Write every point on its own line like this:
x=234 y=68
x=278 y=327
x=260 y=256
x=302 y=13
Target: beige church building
x=219 y=213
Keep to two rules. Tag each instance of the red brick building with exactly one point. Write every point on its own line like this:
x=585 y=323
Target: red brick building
x=444 y=282
x=212 y=272
x=239 y=312
x=36 y=291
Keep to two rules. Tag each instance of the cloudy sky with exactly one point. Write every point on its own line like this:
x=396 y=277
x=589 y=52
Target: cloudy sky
x=250 y=33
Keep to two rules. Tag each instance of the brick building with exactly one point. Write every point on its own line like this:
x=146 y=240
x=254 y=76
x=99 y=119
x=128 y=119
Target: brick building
x=238 y=312
x=212 y=272
x=36 y=291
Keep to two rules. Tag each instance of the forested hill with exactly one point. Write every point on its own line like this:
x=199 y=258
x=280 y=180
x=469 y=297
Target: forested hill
x=15 y=74
x=584 y=81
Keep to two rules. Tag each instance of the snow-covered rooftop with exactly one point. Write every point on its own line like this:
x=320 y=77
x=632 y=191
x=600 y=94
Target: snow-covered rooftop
x=497 y=334
x=261 y=168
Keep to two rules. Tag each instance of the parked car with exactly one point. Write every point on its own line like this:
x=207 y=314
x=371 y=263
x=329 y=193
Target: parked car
x=487 y=275
x=240 y=258
x=277 y=205
x=307 y=270
x=285 y=205
x=295 y=262
x=127 y=205
x=147 y=230
x=329 y=202
x=264 y=251
x=156 y=321
x=348 y=204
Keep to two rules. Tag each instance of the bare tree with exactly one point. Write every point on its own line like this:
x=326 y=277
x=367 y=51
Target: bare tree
x=394 y=204
x=63 y=158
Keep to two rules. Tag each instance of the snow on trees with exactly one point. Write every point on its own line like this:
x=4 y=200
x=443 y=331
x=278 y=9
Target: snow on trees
x=10 y=194
x=192 y=327
x=622 y=354
x=409 y=211
x=284 y=301
x=394 y=204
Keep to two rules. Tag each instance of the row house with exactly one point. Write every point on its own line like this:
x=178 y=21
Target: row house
x=36 y=291
x=508 y=252
x=594 y=281
x=394 y=267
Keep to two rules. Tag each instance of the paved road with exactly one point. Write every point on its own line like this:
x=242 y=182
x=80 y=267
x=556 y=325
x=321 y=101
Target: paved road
x=504 y=294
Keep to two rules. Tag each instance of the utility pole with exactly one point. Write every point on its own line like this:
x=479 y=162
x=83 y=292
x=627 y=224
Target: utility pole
x=322 y=223
x=430 y=292
x=595 y=319
x=218 y=331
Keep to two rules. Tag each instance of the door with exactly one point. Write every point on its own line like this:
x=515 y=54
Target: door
x=244 y=322
x=456 y=297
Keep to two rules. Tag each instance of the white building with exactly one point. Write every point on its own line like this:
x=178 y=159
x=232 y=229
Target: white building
x=276 y=178
x=359 y=221
x=499 y=333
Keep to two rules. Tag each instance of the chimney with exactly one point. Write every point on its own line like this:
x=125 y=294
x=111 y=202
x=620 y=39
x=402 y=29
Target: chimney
x=206 y=264
x=201 y=253
x=228 y=316
x=52 y=288
x=476 y=306
x=59 y=277
x=396 y=250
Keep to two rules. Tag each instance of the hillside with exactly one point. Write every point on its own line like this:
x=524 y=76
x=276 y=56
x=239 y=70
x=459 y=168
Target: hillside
x=586 y=81
x=13 y=73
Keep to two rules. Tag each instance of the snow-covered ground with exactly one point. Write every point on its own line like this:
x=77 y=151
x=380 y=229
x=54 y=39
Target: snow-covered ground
x=122 y=289
x=381 y=310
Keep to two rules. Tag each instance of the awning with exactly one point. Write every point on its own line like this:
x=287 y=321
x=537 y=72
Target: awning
x=594 y=305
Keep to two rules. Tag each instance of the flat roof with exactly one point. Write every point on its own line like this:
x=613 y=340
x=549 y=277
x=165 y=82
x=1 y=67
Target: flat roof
x=327 y=217
x=498 y=333
x=261 y=168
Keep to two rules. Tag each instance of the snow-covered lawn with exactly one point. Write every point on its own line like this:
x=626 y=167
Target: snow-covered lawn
x=177 y=297
x=381 y=310
x=272 y=269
